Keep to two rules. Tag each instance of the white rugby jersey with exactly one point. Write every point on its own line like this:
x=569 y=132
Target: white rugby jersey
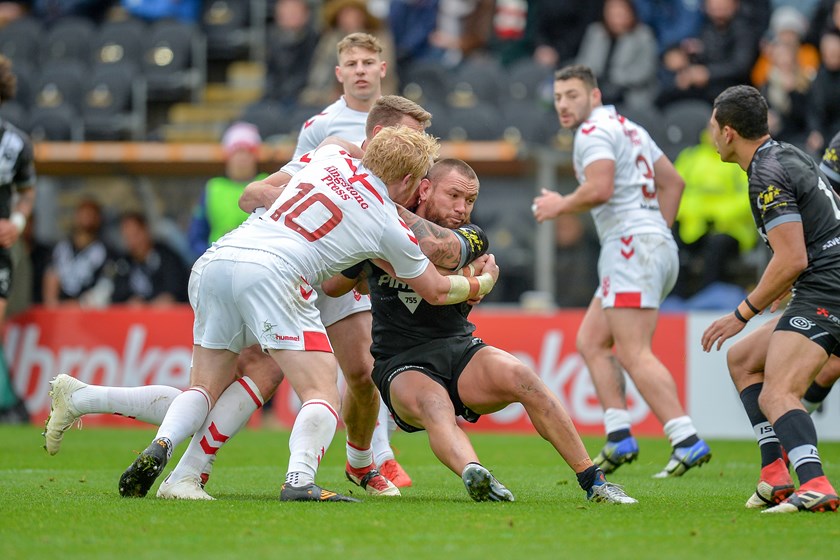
x=633 y=207
x=333 y=214
x=336 y=120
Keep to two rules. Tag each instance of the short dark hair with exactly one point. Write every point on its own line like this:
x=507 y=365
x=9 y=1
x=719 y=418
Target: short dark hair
x=743 y=109
x=579 y=71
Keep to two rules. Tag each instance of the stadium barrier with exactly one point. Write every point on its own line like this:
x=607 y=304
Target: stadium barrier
x=129 y=346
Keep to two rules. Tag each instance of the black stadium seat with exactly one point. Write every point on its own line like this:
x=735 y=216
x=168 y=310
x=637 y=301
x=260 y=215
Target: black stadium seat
x=69 y=38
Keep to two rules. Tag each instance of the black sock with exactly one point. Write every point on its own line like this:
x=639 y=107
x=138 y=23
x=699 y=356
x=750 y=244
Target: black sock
x=587 y=478
x=618 y=435
x=816 y=393
x=768 y=442
x=688 y=442
x=797 y=433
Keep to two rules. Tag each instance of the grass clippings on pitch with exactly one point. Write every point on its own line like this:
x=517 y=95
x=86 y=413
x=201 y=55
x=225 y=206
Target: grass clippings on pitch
x=67 y=506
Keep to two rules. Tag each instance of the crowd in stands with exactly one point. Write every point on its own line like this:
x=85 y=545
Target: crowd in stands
x=483 y=68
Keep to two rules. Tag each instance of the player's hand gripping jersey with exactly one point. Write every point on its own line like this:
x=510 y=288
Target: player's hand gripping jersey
x=333 y=214
x=633 y=207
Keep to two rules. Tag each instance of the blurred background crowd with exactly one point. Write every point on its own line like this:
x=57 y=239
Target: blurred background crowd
x=246 y=73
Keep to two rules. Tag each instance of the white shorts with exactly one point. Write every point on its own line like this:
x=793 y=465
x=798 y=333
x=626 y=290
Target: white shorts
x=242 y=297
x=637 y=271
x=334 y=310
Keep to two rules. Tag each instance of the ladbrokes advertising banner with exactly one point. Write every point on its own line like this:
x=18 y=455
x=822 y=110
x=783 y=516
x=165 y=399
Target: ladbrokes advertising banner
x=132 y=346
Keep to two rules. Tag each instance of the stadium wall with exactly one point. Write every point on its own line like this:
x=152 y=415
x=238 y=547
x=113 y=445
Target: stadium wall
x=132 y=346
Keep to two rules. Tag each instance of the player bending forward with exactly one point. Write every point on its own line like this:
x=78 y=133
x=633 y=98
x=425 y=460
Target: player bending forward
x=430 y=368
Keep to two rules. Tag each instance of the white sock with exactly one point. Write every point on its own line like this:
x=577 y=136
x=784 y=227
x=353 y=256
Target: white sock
x=230 y=413
x=357 y=457
x=678 y=429
x=185 y=416
x=381 y=442
x=147 y=404
x=616 y=419
x=311 y=436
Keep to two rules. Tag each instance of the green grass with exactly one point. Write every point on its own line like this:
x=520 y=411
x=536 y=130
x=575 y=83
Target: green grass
x=67 y=506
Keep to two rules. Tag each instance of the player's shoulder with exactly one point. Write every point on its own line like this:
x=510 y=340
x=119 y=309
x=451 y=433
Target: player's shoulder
x=8 y=128
x=325 y=117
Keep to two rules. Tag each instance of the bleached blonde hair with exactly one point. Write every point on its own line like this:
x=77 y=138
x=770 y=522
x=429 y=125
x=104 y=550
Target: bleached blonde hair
x=397 y=151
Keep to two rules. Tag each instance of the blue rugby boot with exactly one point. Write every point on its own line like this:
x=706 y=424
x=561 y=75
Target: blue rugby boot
x=616 y=453
x=684 y=458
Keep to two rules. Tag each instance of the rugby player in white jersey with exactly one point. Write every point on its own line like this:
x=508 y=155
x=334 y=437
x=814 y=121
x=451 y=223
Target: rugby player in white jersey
x=256 y=288
x=360 y=71
x=633 y=192
x=72 y=398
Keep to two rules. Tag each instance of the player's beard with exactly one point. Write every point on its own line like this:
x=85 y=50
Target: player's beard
x=429 y=211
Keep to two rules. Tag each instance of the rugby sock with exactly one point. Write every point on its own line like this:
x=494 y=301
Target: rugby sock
x=814 y=396
x=312 y=433
x=681 y=431
x=797 y=434
x=616 y=424
x=587 y=477
x=185 y=416
x=381 y=441
x=230 y=413
x=765 y=435
x=357 y=457
x=8 y=398
x=147 y=404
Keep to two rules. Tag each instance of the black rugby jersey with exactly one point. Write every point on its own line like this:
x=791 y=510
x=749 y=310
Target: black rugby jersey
x=830 y=164
x=402 y=319
x=786 y=185
x=17 y=168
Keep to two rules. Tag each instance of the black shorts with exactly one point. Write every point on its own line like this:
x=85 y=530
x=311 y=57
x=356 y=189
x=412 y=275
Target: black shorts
x=442 y=360
x=814 y=311
x=5 y=273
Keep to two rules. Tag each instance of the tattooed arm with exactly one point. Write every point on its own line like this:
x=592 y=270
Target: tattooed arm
x=446 y=248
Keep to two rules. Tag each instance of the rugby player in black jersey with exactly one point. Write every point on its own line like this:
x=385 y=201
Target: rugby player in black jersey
x=798 y=215
x=430 y=368
x=17 y=197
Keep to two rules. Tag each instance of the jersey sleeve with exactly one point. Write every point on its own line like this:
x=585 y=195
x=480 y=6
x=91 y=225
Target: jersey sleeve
x=776 y=199
x=594 y=143
x=399 y=247
x=312 y=133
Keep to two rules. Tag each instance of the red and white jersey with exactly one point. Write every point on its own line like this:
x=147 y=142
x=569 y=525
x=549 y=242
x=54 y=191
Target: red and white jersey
x=633 y=207
x=333 y=214
x=336 y=120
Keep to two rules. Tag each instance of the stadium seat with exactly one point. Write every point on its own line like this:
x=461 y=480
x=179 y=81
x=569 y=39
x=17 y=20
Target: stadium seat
x=529 y=80
x=114 y=103
x=15 y=113
x=55 y=124
x=477 y=79
x=684 y=121
x=479 y=122
x=230 y=28
x=528 y=121
x=119 y=41
x=70 y=38
x=425 y=82
x=25 y=74
x=61 y=82
x=20 y=40
x=271 y=119
x=174 y=61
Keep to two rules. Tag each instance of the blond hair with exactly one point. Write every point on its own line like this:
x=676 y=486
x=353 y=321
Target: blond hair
x=360 y=40
x=389 y=110
x=398 y=151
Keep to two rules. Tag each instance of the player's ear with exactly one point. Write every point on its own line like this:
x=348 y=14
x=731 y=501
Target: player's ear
x=424 y=189
x=383 y=69
x=338 y=75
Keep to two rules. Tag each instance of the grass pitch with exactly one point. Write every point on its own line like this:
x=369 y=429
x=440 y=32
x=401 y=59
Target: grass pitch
x=67 y=506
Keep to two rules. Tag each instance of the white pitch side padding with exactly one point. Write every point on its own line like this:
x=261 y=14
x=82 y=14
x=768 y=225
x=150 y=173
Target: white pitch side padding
x=713 y=402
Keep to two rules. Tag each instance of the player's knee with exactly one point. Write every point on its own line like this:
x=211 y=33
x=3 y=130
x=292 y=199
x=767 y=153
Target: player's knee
x=359 y=380
x=433 y=409
x=522 y=380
